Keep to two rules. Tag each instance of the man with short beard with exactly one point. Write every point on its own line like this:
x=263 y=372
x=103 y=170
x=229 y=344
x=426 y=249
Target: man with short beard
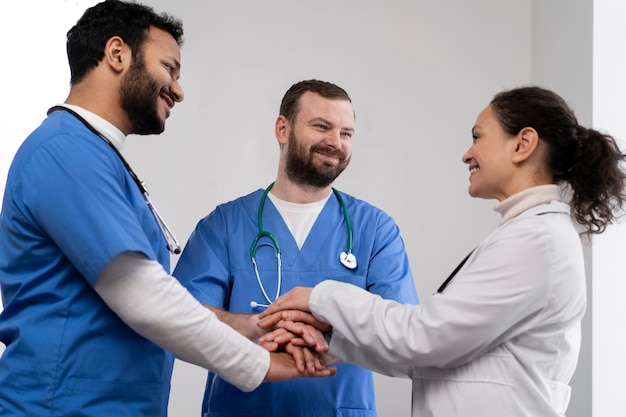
x=298 y=232
x=89 y=306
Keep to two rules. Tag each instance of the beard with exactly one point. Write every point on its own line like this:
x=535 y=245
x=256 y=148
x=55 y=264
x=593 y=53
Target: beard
x=302 y=169
x=139 y=97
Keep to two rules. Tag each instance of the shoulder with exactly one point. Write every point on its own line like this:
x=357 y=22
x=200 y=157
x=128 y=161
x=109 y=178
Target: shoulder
x=232 y=212
x=241 y=203
x=358 y=207
x=367 y=219
x=550 y=223
x=537 y=241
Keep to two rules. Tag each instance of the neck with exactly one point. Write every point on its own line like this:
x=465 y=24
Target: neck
x=106 y=105
x=299 y=193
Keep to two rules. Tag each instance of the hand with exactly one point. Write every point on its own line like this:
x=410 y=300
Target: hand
x=296 y=299
x=296 y=333
x=268 y=322
x=283 y=366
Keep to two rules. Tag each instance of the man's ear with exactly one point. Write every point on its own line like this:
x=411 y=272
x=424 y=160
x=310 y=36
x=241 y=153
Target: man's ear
x=526 y=143
x=281 y=129
x=117 y=54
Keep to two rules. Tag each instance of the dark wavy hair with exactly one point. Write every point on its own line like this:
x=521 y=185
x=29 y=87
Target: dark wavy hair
x=289 y=107
x=130 y=21
x=589 y=161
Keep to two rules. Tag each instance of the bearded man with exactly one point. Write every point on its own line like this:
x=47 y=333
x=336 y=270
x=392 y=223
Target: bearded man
x=297 y=232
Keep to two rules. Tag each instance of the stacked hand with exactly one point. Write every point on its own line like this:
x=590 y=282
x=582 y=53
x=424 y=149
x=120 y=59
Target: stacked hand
x=291 y=330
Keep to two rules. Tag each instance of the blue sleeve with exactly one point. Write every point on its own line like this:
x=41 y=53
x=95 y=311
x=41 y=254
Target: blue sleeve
x=389 y=273
x=203 y=266
x=82 y=201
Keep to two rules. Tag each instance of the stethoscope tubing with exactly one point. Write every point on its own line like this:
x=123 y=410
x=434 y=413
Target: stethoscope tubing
x=347 y=259
x=172 y=243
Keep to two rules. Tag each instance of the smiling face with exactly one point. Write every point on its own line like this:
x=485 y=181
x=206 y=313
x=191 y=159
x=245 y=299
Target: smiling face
x=489 y=158
x=319 y=145
x=150 y=88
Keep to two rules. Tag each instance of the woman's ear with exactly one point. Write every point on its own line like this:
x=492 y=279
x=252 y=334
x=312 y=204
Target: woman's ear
x=526 y=143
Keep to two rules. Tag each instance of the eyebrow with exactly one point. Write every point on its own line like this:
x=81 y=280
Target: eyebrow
x=321 y=119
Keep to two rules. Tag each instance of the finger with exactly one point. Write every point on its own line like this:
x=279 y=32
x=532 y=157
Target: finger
x=269 y=346
x=298 y=356
x=319 y=364
x=271 y=336
x=327 y=371
x=309 y=360
x=291 y=326
x=283 y=367
x=306 y=333
x=284 y=338
x=316 y=339
x=298 y=341
x=305 y=317
x=267 y=322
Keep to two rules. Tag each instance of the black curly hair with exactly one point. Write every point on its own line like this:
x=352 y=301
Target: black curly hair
x=130 y=21
x=589 y=161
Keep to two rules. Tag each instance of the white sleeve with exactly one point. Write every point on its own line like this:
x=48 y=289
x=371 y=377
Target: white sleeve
x=494 y=298
x=367 y=330
x=158 y=307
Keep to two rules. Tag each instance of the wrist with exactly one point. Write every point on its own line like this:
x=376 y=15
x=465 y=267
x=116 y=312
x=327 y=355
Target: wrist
x=246 y=324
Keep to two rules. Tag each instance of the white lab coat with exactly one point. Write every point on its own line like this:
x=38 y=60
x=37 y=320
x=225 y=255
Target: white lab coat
x=501 y=340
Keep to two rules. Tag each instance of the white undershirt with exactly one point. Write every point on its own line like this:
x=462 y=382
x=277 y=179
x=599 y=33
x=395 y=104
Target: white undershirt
x=299 y=218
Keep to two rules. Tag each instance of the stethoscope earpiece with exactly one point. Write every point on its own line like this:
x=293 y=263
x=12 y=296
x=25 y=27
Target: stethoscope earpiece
x=254 y=304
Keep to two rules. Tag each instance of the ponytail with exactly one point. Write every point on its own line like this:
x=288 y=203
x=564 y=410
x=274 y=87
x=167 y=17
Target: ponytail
x=597 y=179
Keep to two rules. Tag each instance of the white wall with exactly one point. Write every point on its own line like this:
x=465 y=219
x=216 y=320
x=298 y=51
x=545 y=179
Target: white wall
x=418 y=71
x=38 y=75
x=609 y=263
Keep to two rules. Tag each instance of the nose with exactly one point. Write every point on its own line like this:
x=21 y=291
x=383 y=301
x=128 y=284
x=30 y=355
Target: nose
x=467 y=156
x=176 y=91
x=333 y=138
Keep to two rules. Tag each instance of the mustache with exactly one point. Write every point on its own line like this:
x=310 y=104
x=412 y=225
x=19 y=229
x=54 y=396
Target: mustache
x=337 y=153
x=165 y=93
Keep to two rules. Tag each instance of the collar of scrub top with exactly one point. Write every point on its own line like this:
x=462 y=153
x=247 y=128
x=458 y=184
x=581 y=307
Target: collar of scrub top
x=172 y=244
x=346 y=258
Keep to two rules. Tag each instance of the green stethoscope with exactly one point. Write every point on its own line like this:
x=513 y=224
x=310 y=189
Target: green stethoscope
x=346 y=258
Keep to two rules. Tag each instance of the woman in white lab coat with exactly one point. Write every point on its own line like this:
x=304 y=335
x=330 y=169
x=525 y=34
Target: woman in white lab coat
x=502 y=336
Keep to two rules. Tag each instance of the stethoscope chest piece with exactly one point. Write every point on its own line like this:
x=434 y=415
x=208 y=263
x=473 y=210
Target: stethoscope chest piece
x=348 y=260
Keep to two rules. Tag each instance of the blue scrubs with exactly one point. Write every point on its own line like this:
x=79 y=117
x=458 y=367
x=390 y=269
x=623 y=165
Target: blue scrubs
x=217 y=269
x=69 y=207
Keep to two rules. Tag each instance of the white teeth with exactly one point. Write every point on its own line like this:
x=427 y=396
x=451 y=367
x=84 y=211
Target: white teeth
x=474 y=170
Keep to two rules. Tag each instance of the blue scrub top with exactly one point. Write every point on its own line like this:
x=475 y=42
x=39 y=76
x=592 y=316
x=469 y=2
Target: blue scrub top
x=69 y=207
x=216 y=267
